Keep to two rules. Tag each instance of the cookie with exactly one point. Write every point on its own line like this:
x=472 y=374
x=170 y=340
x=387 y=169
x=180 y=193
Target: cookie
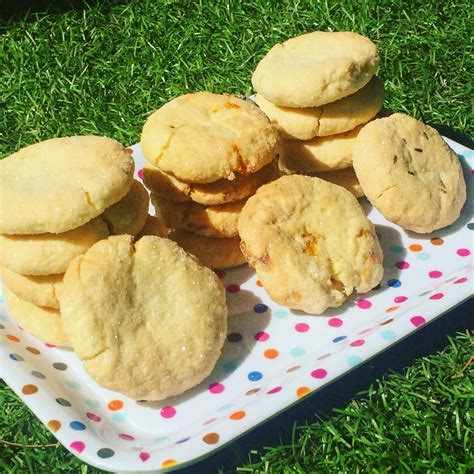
x=336 y=117
x=44 y=323
x=46 y=254
x=212 y=252
x=409 y=173
x=60 y=184
x=319 y=154
x=316 y=68
x=211 y=221
x=345 y=178
x=128 y=216
x=204 y=137
x=147 y=319
x=39 y=290
x=219 y=192
x=310 y=243
x=154 y=226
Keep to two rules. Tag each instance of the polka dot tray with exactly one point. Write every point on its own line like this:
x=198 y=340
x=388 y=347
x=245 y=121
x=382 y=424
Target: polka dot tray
x=273 y=357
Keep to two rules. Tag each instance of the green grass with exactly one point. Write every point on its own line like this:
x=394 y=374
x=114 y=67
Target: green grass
x=103 y=68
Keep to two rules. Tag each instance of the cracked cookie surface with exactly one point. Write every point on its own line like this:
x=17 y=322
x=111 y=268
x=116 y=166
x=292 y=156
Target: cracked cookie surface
x=316 y=68
x=409 y=173
x=60 y=184
x=310 y=243
x=204 y=137
x=337 y=117
x=147 y=319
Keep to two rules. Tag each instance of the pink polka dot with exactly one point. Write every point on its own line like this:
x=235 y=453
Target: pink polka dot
x=463 y=252
x=274 y=390
x=77 y=446
x=364 y=304
x=210 y=421
x=48 y=345
x=126 y=437
x=402 y=265
x=302 y=327
x=335 y=322
x=93 y=417
x=399 y=299
x=358 y=342
x=436 y=296
x=319 y=373
x=435 y=274
x=365 y=331
x=233 y=288
x=417 y=320
x=261 y=336
x=216 y=387
x=144 y=456
x=167 y=412
x=140 y=174
x=460 y=280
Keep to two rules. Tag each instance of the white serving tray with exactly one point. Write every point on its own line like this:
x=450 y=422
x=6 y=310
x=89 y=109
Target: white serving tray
x=273 y=357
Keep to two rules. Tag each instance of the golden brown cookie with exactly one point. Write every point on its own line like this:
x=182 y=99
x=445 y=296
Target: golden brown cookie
x=345 y=178
x=154 y=226
x=310 y=243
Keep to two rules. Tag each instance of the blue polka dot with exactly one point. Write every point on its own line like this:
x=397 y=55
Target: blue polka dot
x=354 y=360
x=280 y=313
x=396 y=248
x=183 y=440
x=119 y=417
x=74 y=385
x=229 y=366
x=93 y=403
x=298 y=351
x=388 y=335
x=77 y=425
x=161 y=439
x=339 y=338
x=423 y=256
x=16 y=357
x=394 y=283
x=254 y=376
x=470 y=226
x=260 y=308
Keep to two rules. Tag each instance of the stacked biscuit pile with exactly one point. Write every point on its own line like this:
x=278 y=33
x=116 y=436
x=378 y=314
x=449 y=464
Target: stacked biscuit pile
x=320 y=89
x=59 y=197
x=207 y=154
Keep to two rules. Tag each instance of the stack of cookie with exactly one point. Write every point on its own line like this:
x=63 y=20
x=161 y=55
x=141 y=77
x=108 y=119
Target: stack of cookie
x=319 y=89
x=58 y=198
x=207 y=153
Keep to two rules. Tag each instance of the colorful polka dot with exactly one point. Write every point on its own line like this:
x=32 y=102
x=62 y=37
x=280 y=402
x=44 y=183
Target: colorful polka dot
x=463 y=252
x=140 y=173
x=399 y=299
x=354 y=360
x=93 y=417
x=357 y=343
x=115 y=405
x=144 y=456
x=260 y=308
x=396 y=248
x=324 y=356
x=271 y=353
x=261 y=336
x=33 y=350
x=16 y=357
x=63 y=402
x=298 y=351
x=77 y=446
x=234 y=337
x=435 y=274
x=392 y=309
x=302 y=327
x=302 y=391
x=73 y=384
x=54 y=425
x=259 y=283
x=339 y=338
x=274 y=390
x=415 y=247
x=252 y=391
x=460 y=280
x=216 y=387
x=417 y=320
x=126 y=437
x=168 y=463
x=237 y=415
x=423 y=256
x=436 y=296
x=470 y=226
x=364 y=304
x=402 y=265
x=394 y=283
x=233 y=288
x=77 y=425
x=12 y=338
x=335 y=322
x=119 y=417
x=388 y=321
x=319 y=373
x=168 y=412
x=211 y=438
x=388 y=335
x=37 y=374
x=59 y=366
x=105 y=453
x=280 y=314
x=255 y=376
x=230 y=366
x=184 y=440
x=29 y=389
x=437 y=241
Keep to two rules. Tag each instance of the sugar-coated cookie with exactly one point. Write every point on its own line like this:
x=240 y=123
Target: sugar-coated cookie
x=147 y=319
x=204 y=137
x=215 y=253
x=219 y=192
x=60 y=184
x=409 y=173
x=345 y=178
x=330 y=119
x=310 y=243
x=316 y=68
x=44 y=323
x=211 y=221
x=319 y=154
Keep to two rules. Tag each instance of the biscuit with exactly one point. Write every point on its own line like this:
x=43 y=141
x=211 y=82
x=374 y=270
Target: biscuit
x=316 y=68
x=60 y=184
x=345 y=178
x=147 y=319
x=38 y=290
x=336 y=117
x=44 y=323
x=310 y=243
x=409 y=173
x=204 y=137
x=46 y=254
x=154 y=226
x=212 y=252
x=319 y=154
x=128 y=216
x=219 y=192
x=210 y=221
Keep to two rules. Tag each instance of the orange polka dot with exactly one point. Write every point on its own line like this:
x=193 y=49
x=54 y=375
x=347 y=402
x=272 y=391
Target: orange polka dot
x=12 y=338
x=388 y=321
x=437 y=241
x=54 y=425
x=416 y=248
x=392 y=309
x=168 y=463
x=237 y=415
x=115 y=405
x=33 y=350
x=271 y=353
x=29 y=389
x=302 y=391
x=211 y=438
x=259 y=283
